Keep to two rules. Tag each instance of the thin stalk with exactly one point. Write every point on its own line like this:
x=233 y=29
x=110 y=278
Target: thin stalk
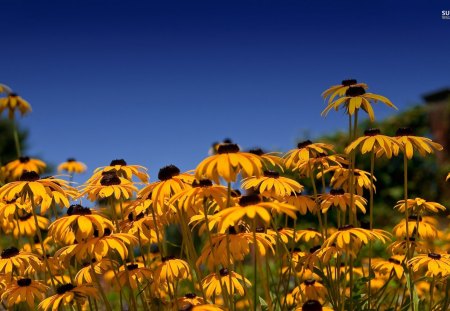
x=432 y=293
x=16 y=140
x=100 y=288
x=255 y=255
x=372 y=165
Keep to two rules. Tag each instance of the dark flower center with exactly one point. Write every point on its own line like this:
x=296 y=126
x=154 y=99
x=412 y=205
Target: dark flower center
x=132 y=267
x=346 y=227
x=312 y=305
x=271 y=174
x=355 y=91
x=24 y=282
x=167 y=172
x=235 y=193
x=24 y=159
x=260 y=229
x=13 y=95
x=120 y=162
x=29 y=176
x=110 y=178
x=414 y=218
x=64 y=288
x=249 y=200
x=9 y=252
x=337 y=191
x=349 y=82
x=434 y=256
x=232 y=230
x=25 y=216
x=71 y=160
x=223 y=272
x=202 y=183
x=227 y=148
x=257 y=151
x=190 y=295
x=77 y=209
x=315 y=248
x=404 y=131
x=304 y=144
x=309 y=282
x=372 y=132
x=164 y=259
x=393 y=260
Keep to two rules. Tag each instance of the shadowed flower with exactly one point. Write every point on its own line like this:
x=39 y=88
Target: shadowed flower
x=302 y=203
x=13 y=259
x=419 y=206
x=25 y=225
x=341 y=179
x=122 y=170
x=136 y=274
x=351 y=237
x=306 y=150
x=341 y=200
x=171 y=269
x=66 y=295
x=310 y=289
x=230 y=281
x=434 y=265
x=228 y=163
x=373 y=141
x=356 y=98
x=84 y=275
x=408 y=142
x=110 y=186
x=24 y=290
x=340 y=89
x=16 y=168
x=423 y=226
x=272 y=185
x=13 y=102
x=72 y=166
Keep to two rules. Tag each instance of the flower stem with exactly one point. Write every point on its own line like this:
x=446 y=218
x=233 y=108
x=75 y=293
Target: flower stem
x=372 y=165
x=16 y=140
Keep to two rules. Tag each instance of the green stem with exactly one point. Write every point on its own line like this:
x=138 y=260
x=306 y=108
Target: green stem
x=372 y=165
x=255 y=255
x=432 y=293
x=16 y=140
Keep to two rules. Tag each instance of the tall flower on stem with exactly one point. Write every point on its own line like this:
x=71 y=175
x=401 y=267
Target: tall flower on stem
x=340 y=89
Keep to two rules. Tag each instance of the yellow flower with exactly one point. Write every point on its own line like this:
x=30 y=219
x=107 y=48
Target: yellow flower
x=319 y=162
x=393 y=264
x=188 y=301
x=228 y=163
x=400 y=247
x=25 y=225
x=14 y=102
x=24 y=290
x=143 y=228
x=110 y=186
x=11 y=259
x=251 y=206
x=8 y=209
x=171 y=269
x=66 y=295
x=270 y=160
x=351 y=237
x=122 y=170
x=79 y=224
x=285 y=234
x=339 y=199
x=340 y=89
x=16 y=168
x=306 y=150
x=434 y=265
x=307 y=235
x=72 y=166
x=84 y=275
x=302 y=203
x=272 y=185
x=310 y=289
x=171 y=182
x=313 y=305
x=423 y=226
x=419 y=206
x=356 y=98
x=341 y=179
x=136 y=274
x=373 y=141
x=231 y=281
x=408 y=142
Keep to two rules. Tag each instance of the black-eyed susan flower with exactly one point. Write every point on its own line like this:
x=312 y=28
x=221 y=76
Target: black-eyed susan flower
x=251 y=207
x=310 y=289
x=171 y=269
x=341 y=179
x=72 y=166
x=285 y=234
x=110 y=186
x=13 y=103
x=374 y=141
x=419 y=206
x=272 y=185
x=271 y=160
x=57 y=198
x=134 y=274
x=24 y=290
x=122 y=170
x=433 y=264
x=305 y=150
x=339 y=199
x=392 y=264
x=400 y=247
x=424 y=227
x=13 y=259
x=228 y=163
x=8 y=209
x=340 y=89
x=230 y=281
x=303 y=203
x=16 y=168
x=356 y=98
x=408 y=143
x=351 y=237
x=79 y=224
x=191 y=200
x=308 y=235
x=143 y=227
x=90 y=267
x=67 y=294
x=31 y=185
x=188 y=301
x=171 y=181
x=25 y=225
x=320 y=163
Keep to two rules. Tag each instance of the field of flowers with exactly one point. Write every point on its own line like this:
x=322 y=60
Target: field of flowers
x=235 y=233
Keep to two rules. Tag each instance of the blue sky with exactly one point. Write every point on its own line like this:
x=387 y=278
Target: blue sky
x=156 y=82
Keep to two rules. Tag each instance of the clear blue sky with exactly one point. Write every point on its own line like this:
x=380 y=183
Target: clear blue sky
x=156 y=82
